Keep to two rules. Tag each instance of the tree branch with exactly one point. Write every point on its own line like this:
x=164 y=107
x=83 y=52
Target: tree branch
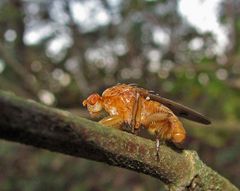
x=31 y=123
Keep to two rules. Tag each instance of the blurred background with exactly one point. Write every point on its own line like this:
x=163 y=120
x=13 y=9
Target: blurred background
x=58 y=52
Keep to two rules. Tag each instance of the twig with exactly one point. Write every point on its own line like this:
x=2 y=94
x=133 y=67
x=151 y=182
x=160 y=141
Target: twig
x=31 y=123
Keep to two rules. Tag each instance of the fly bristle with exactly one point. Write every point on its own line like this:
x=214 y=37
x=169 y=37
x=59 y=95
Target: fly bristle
x=133 y=84
x=151 y=91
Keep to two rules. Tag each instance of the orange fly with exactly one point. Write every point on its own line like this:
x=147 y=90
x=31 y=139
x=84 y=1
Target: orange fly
x=128 y=104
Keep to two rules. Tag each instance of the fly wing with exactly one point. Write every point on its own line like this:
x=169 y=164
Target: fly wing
x=177 y=108
x=180 y=110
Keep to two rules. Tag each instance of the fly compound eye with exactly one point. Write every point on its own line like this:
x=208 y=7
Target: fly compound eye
x=93 y=99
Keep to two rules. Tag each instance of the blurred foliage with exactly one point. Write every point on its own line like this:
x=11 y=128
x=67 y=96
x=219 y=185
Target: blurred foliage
x=57 y=52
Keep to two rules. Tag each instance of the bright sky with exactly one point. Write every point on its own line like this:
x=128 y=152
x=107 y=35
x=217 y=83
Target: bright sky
x=200 y=13
x=83 y=11
x=203 y=15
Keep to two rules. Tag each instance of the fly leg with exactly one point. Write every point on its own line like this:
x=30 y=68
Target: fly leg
x=135 y=112
x=112 y=121
x=162 y=133
x=157 y=144
x=155 y=117
x=156 y=123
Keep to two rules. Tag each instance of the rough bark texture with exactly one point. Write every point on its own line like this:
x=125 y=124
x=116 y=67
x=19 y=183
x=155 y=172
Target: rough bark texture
x=31 y=123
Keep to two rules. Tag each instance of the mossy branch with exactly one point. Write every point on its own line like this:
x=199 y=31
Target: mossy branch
x=28 y=122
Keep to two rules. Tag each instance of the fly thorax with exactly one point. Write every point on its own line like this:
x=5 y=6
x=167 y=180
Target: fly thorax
x=113 y=111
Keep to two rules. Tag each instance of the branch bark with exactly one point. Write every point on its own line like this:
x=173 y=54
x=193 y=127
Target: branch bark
x=31 y=123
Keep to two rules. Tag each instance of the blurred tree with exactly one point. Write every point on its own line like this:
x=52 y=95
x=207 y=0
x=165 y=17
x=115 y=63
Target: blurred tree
x=59 y=51
x=75 y=47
